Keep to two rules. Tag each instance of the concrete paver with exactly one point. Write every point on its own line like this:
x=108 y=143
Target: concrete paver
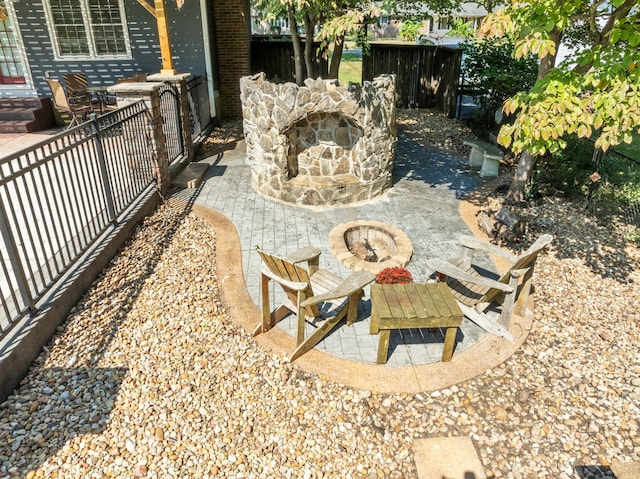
x=423 y=203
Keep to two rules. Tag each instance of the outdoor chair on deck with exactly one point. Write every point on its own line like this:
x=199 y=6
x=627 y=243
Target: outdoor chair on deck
x=77 y=108
x=305 y=290
x=475 y=289
x=135 y=78
x=76 y=87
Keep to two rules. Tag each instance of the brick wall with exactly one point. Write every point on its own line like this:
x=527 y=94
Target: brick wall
x=233 y=42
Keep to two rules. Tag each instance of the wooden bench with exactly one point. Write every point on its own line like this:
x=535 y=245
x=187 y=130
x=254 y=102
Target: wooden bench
x=405 y=306
x=484 y=156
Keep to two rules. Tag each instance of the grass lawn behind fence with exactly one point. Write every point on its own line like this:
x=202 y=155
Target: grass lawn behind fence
x=350 y=68
x=632 y=149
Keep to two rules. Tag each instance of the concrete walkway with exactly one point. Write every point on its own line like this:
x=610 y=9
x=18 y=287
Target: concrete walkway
x=424 y=203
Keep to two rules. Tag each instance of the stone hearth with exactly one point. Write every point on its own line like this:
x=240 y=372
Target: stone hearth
x=322 y=143
x=370 y=245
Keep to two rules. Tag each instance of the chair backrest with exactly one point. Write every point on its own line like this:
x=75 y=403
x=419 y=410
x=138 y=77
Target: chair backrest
x=75 y=82
x=59 y=95
x=289 y=271
x=526 y=260
x=283 y=268
x=528 y=257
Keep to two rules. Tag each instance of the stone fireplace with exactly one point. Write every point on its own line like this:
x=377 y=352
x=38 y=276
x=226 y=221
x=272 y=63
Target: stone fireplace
x=322 y=143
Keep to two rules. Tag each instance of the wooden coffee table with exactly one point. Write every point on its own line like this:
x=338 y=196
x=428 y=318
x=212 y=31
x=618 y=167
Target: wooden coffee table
x=404 y=306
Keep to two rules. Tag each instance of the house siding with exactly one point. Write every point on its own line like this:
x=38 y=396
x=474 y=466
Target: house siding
x=185 y=29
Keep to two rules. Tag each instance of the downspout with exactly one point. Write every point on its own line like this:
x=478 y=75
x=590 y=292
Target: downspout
x=207 y=58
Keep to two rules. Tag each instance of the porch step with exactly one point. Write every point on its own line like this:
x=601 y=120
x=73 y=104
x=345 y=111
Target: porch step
x=16 y=126
x=26 y=115
x=191 y=176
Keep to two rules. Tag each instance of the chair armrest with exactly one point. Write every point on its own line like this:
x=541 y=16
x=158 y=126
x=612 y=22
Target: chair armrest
x=446 y=268
x=310 y=254
x=295 y=285
x=305 y=254
x=474 y=243
x=354 y=283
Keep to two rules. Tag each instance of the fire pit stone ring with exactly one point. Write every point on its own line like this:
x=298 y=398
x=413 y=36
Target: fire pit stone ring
x=370 y=245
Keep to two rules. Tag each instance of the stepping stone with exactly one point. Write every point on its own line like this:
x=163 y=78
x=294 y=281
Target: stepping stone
x=626 y=470
x=447 y=458
x=191 y=176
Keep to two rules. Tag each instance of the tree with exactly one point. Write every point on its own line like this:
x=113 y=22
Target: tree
x=595 y=93
x=336 y=19
x=410 y=29
x=492 y=72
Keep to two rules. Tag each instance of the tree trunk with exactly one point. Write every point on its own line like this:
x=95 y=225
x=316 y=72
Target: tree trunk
x=297 y=47
x=338 y=46
x=308 y=48
x=517 y=188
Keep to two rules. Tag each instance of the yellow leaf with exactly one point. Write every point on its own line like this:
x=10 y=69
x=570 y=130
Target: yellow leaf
x=597 y=122
x=545 y=134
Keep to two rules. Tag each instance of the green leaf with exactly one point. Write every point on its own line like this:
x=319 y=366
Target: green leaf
x=550 y=25
x=615 y=35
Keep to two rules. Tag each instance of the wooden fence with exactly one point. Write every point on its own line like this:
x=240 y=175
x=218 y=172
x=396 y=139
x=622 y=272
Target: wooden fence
x=275 y=59
x=427 y=76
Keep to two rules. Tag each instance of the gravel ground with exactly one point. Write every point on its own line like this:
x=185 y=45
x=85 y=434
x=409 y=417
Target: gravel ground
x=149 y=377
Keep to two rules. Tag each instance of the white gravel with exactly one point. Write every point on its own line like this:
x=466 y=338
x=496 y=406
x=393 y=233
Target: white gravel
x=150 y=378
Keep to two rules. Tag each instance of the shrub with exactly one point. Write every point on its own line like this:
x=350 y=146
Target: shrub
x=491 y=71
x=394 y=275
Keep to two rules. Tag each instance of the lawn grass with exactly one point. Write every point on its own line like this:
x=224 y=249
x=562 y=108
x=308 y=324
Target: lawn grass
x=632 y=149
x=350 y=68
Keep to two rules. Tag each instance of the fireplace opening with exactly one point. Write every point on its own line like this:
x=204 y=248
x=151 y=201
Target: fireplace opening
x=323 y=144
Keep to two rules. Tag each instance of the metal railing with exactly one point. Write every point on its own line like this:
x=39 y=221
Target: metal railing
x=198 y=95
x=60 y=196
x=171 y=121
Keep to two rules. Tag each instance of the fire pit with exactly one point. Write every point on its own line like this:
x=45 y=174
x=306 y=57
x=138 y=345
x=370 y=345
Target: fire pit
x=370 y=245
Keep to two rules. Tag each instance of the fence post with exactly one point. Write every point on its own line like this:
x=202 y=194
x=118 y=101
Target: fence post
x=108 y=193
x=180 y=82
x=14 y=259
x=127 y=93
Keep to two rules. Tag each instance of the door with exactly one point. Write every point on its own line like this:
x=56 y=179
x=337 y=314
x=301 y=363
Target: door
x=11 y=66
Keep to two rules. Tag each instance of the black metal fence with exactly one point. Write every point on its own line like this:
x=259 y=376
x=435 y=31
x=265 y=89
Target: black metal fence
x=426 y=76
x=199 y=112
x=171 y=121
x=60 y=196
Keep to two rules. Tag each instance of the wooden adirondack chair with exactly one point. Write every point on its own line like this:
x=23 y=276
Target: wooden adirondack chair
x=305 y=289
x=475 y=290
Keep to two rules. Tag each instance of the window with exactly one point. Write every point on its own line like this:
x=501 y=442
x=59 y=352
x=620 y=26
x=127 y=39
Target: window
x=11 y=69
x=88 y=28
x=444 y=23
